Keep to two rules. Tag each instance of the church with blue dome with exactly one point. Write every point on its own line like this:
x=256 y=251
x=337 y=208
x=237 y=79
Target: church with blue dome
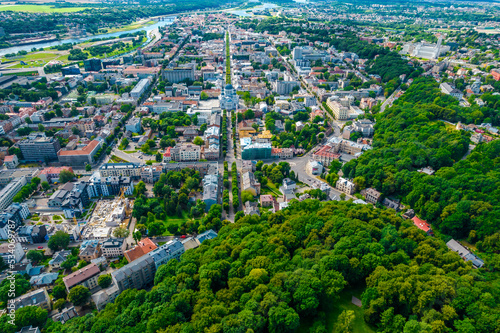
x=228 y=98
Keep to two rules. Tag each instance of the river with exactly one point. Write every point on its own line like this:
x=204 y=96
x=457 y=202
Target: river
x=15 y=49
x=244 y=13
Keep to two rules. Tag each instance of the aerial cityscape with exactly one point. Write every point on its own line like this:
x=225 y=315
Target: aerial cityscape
x=285 y=166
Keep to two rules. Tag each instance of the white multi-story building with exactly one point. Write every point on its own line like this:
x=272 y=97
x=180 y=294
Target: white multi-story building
x=10 y=190
x=139 y=89
x=340 y=112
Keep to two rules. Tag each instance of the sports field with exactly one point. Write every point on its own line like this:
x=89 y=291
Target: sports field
x=39 y=9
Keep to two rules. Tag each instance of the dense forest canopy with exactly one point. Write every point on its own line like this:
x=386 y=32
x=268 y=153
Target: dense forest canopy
x=277 y=272
x=462 y=197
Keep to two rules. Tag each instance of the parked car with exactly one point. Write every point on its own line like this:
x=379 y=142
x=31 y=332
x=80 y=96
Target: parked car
x=40 y=247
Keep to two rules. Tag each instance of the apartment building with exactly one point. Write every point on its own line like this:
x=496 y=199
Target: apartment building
x=136 y=275
x=168 y=251
x=113 y=247
x=86 y=276
x=132 y=170
x=341 y=112
x=10 y=190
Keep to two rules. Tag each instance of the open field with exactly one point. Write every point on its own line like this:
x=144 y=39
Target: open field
x=335 y=308
x=40 y=9
x=37 y=59
x=132 y=26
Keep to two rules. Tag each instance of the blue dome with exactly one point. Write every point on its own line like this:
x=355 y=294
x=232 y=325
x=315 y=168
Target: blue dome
x=229 y=87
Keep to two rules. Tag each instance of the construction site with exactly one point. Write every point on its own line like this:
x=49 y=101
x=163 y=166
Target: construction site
x=107 y=216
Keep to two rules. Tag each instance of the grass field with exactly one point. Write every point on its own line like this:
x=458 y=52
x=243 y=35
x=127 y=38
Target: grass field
x=40 y=9
x=335 y=308
x=174 y=220
x=132 y=26
x=37 y=59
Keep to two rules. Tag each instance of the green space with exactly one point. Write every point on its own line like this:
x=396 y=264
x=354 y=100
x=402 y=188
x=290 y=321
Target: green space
x=174 y=220
x=56 y=218
x=28 y=165
x=344 y=302
x=40 y=9
x=116 y=159
x=130 y=151
x=136 y=25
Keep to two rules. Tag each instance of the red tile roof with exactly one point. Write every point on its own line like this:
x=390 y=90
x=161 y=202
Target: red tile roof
x=143 y=247
x=81 y=275
x=421 y=224
x=84 y=151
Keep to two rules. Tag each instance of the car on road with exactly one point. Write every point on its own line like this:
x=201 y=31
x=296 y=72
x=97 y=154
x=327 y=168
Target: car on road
x=183 y=236
x=40 y=247
x=25 y=248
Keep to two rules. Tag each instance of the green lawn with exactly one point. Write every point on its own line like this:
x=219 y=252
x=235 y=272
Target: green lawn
x=40 y=9
x=272 y=188
x=335 y=308
x=174 y=220
x=117 y=159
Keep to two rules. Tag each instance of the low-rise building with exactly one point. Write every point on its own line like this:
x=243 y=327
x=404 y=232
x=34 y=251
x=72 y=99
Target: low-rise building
x=346 y=186
x=266 y=200
x=11 y=161
x=11 y=252
x=422 y=225
x=372 y=195
x=39 y=297
x=89 y=250
x=249 y=183
x=465 y=253
x=58 y=258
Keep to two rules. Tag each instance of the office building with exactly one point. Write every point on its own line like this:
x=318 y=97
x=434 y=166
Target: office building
x=39 y=148
x=92 y=65
x=133 y=125
x=257 y=151
x=176 y=75
x=71 y=70
x=80 y=157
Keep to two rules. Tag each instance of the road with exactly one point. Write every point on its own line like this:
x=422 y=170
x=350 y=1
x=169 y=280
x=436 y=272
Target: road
x=22 y=70
x=388 y=102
